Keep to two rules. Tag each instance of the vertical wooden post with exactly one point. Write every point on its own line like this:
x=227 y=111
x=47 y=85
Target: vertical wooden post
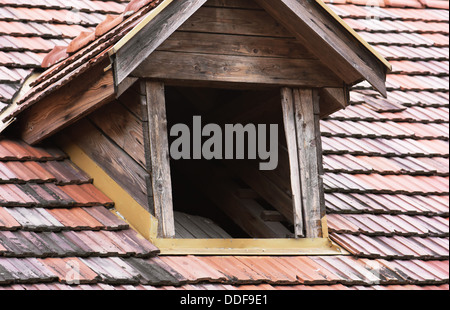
x=307 y=135
x=287 y=98
x=317 y=114
x=159 y=155
x=302 y=126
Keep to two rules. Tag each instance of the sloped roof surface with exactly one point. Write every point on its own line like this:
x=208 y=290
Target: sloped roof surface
x=386 y=183
x=29 y=30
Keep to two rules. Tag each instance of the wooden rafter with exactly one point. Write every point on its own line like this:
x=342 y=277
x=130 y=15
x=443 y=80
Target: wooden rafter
x=329 y=41
x=152 y=32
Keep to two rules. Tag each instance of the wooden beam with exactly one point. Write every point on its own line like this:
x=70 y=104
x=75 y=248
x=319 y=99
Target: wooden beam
x=287 y=99
x=235 y=45
x=125 y=85
x=329 y=41
x=231 y=70
x=305 y=103
x=67 y=105
x=128 y=54
x=319 y=156
x=333 y=100
x=159 y=153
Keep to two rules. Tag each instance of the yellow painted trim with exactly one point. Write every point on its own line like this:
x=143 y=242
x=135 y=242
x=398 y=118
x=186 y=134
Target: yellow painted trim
x=355 y=34
x=136 y=216
x=139 y=27
x=325 y=227
x=319 y=246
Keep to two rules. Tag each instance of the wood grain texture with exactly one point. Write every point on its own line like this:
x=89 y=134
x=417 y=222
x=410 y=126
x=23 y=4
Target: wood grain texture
x=239 y=70
x=333 y=100
x=65 y=106
x=329 y=41
x=159 y=152
x=241 y=4
x=235 y=45
x=287 y=99
x=235 y=21
x=112 y=159
x=306 y=128
x=122 y=127
x=141 y=45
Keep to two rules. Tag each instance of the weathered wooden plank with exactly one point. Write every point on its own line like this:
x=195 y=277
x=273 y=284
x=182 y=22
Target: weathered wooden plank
x=240 y=4
x=329 y=41
x=68 y=104
x=306 y=128
x=131 y=99
x=235 y=45
x=223 y=69
x=121 y=126
x=125 y=85
x=287 y=99
x=333 y=100
x=159 y=151
x=318 y=143
x=235 y=21
x=112 y=159
x=152 y=34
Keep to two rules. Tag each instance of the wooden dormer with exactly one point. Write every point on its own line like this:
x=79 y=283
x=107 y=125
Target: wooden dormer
x=284 y=62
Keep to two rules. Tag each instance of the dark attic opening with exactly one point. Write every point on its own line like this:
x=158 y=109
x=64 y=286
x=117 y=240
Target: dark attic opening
x=216 y=195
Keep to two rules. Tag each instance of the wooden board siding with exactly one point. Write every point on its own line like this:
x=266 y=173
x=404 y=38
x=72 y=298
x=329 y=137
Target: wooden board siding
x=232 y=44
x=114 y=138
x=123 y=128
x=67 y=105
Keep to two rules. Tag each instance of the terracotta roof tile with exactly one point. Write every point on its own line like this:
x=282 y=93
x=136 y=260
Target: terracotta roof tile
x=38 y=26
x=35 y=219
x=86 y=194
x=58 y=53
x=81 y=41
x=388 y=225
x=109 y=23
x=7 y=221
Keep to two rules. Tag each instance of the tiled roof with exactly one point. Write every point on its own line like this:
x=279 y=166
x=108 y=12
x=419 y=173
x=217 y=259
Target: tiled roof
x=31 y=29
x=386 y=181
x=386 y=160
